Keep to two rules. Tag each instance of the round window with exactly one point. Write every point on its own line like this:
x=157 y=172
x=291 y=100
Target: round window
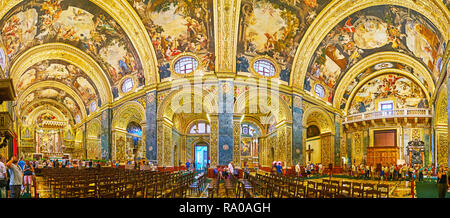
x=320 y=90
x=77 y=119
x=185 y=65
x=264 y=67
x=127 y=85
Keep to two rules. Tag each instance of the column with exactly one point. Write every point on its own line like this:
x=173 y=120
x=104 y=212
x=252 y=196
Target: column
x=84 y=146
x=151 y=146
x=448 y=113
x=105 y=136
x=297 y=130
x=213 y=139
x=337 y=140
x=237 y=139
x=225 y=121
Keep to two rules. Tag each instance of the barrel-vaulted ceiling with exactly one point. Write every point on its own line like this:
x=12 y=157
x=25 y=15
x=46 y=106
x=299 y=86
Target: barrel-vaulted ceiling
x=76 y=55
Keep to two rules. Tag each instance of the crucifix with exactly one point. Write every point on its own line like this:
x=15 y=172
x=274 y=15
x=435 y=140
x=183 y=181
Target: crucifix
x=309 y=151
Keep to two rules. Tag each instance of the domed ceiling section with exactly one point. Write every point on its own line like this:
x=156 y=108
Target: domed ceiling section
x=372 y=30
x=51 y=96
x=401 y=91
x=79 y=23
x=274 y=28
x=49 y=105
x=376 y=68
x=179 y=27
x=63 y=72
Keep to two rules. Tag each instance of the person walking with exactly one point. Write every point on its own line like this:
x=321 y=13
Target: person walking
x=16 y=177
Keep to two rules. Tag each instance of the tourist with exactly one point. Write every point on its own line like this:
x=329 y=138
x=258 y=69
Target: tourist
x=421 y=173
x=442 y=182
x=297 y=169
x=382 y=173
x=367 y=172
x=3 y=178
x=28 y=175
x=353 y=170
x=231 y=168
x=16 y=177
x=372 y=172
x=396 y=172
x=21 y=163
x=320 y=169
x=429 y=173
x=246 y=171
x=279 y=167
x=188 y=164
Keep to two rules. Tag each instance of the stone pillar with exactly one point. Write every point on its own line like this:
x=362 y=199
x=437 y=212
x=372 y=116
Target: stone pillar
x=297 y=130
x=105 y=136
x=283 y=148
x=225 y=119
x=165 y=146
x=214 y=140
x=237 y=139
x=84 y=143
x=448 y=111
x=151 y=145
x=337 y=141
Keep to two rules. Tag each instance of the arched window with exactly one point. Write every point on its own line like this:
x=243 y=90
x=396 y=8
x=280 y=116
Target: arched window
x=93 y=106
x=319 y=90
x=135 y=129
x=185 y=65
x=77 y=118
x=127 y=85
x=200 y=127
x=264 y=67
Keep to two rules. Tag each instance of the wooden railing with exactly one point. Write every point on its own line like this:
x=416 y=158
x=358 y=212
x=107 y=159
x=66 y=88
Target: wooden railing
x=387 y=114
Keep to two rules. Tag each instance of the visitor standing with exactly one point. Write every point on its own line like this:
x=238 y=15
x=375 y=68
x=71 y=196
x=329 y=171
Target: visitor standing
x=279 y=167
x=443 y=182
x=21 y=163
x=297 y=169
x=16 y=177
x=3 y=178
x=231 y=168
x=28 y=175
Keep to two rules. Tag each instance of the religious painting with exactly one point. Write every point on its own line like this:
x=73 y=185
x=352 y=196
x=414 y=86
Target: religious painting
x=60 y=71
x=274 y=28
x=312 y=131
x=54 y=94
x=371 y=30
x=178 y=26
x=79 y=23
x=405 y=92
x=246 y=146
x=368 y=71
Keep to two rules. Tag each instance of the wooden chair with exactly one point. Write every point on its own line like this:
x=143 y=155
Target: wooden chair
x=383 y=190
x=357 y=191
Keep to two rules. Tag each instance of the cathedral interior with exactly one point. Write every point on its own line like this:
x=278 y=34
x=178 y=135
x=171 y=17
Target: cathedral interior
x=252 y=82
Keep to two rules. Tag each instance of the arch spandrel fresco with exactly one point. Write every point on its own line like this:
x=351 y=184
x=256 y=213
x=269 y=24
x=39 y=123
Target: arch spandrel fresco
x=60 y=71
x=404 y=92
x=376 y=67
x=274 y=28
x=52 y=93
x=177 y=26
x=79 y=23
x=371 y=30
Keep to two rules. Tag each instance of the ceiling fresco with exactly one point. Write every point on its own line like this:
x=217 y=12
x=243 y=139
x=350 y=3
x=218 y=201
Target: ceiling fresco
x=60 y=71
x=178 y=26
x=401 y=90
x=371 y=30
x=79 y=23
x=380 y=66
x=54 y=94
x=274 y=28
x=47 y=105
